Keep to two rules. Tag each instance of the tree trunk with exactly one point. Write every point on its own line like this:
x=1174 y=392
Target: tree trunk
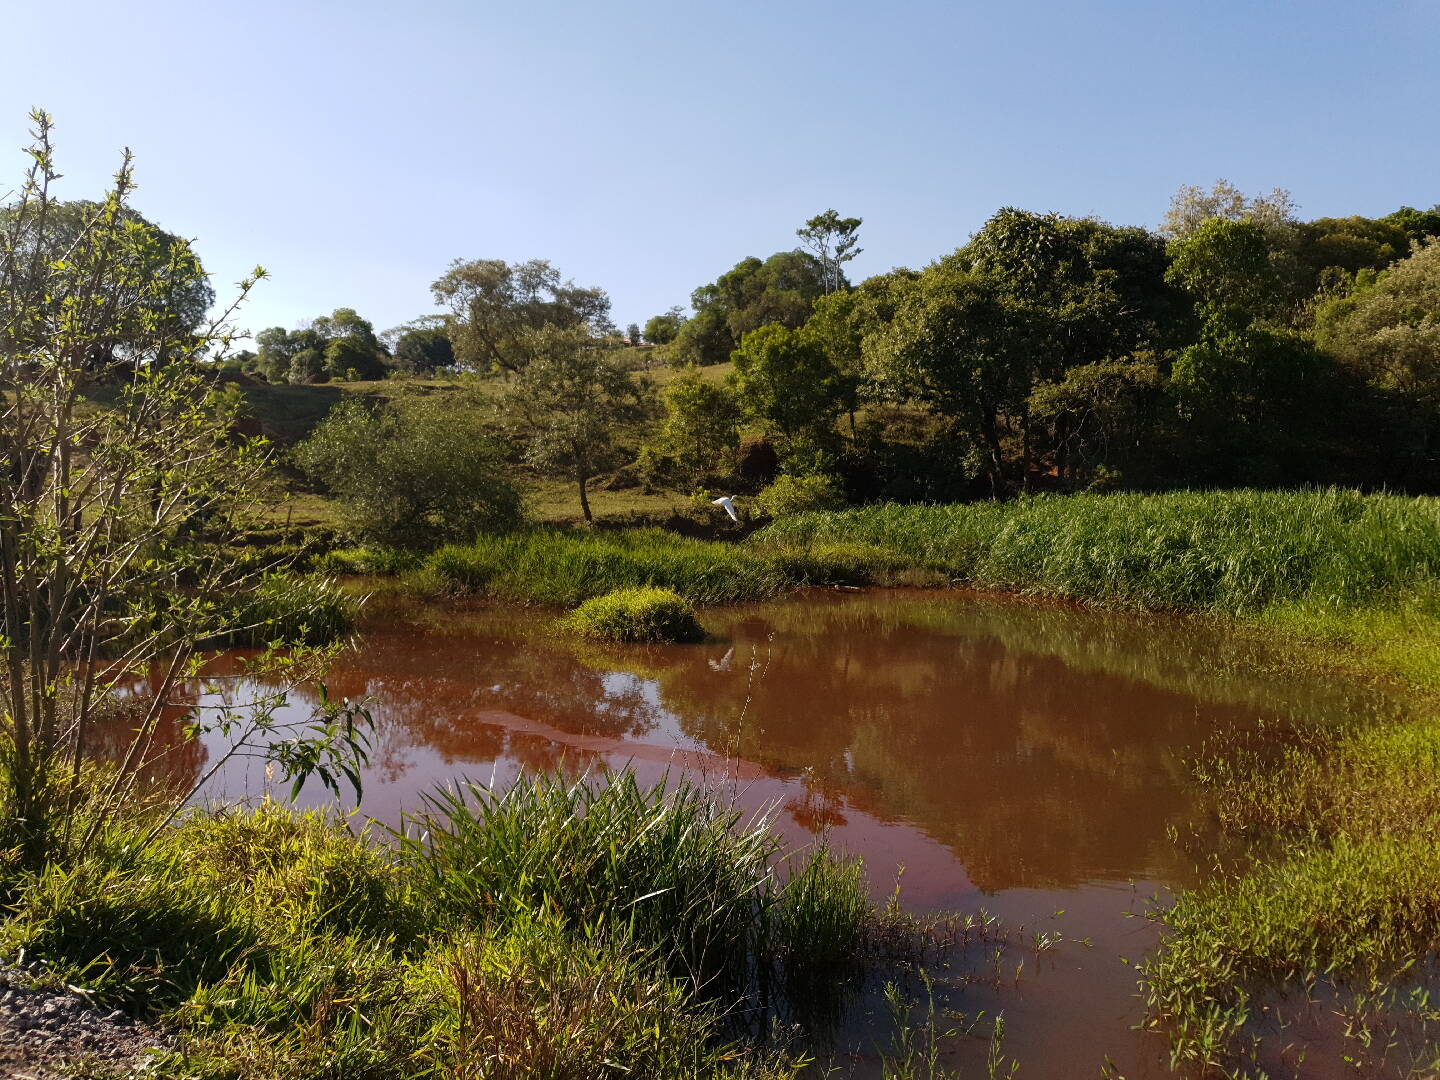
x=1025 y=451
x=992 y=443
x=584 y=500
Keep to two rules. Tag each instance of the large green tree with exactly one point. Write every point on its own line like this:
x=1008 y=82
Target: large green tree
x=784 y=379
x=663 y=329
x=1418 y=224
x=1388 y=328
x=1247 y=391
x=568 y=403
x=1387 y=332
x=701 y=427
x=494 y=307
x=1102 y=287
x=781 y=290
x=842 y=320
x=157 y=281
x=330 y=346
x=423 y=350
x=963 y=344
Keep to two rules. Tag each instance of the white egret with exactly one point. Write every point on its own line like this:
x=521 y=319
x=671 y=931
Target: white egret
x=723 y=664
x=729 y=505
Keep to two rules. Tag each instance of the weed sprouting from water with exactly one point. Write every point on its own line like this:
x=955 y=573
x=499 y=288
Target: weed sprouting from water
x=915 y=1051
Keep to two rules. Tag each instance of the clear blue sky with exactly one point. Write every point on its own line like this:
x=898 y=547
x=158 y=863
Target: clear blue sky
x=354 y=149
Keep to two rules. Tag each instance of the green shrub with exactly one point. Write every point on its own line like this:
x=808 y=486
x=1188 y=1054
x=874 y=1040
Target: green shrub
x=420 y=471
x=800 y=494
x=644 y=614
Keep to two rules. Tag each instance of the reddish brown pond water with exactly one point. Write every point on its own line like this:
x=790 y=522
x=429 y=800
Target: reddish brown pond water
x=1023 y=758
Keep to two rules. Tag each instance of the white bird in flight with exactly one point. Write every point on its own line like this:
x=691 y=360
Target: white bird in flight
x=729 y=505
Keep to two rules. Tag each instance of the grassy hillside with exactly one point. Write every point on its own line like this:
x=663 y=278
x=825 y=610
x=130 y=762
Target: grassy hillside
x=286 y=414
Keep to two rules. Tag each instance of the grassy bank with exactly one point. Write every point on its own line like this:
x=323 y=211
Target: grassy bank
x=566 y=567
x=556 y=929
x=1362 y=569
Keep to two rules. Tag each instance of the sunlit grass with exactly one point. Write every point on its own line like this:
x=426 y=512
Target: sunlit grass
x=559 y=928
x=1359 y=569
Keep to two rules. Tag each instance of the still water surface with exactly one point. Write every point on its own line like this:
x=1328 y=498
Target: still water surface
x=1028 y=759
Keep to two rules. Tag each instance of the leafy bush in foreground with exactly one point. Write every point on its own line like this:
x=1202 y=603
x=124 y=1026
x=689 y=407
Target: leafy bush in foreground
x=644 y=614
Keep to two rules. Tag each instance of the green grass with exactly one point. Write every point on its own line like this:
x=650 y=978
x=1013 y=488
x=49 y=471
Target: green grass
x=563 y=568
x=639 y=615
x=1358 y=569
x=566 y=568
x=1234 y=552
x=563 y=929
x=1352 y=916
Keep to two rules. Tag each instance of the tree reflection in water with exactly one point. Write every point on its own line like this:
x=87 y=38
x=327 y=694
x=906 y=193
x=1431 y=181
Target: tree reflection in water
x=1042 y=745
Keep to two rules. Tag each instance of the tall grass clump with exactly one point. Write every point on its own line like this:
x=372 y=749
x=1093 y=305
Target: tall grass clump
x=646 y=614
x=566 y=568
x=536 y=1000
x=291 y=609
x=673 y=869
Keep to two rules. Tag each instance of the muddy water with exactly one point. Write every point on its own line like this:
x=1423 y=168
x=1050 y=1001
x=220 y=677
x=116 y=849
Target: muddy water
x=986 y=753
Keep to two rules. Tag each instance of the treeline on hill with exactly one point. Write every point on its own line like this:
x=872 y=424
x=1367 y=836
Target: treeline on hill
x=1236 y=345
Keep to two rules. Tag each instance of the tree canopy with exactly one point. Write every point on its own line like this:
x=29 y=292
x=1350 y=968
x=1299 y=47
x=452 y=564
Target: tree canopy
x=493 y=306
x=159 y=284
x=781 y=291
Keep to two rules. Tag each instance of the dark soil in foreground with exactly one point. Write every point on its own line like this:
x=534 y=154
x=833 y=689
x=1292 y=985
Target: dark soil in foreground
x=47 y=1034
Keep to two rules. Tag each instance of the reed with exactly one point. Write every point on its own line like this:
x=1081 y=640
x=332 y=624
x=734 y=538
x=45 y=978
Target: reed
x=290 y=609
x=680 y=873
x=1235 y=552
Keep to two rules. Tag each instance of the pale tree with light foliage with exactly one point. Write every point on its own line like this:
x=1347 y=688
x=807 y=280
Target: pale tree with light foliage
x=493 y=307
x=834 y=241
x=121 y=497
x=1192 y=206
